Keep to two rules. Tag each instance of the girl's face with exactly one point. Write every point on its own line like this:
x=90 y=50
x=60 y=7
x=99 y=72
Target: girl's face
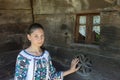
x=36 y=37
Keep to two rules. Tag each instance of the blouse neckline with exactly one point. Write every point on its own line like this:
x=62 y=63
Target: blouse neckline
x=32 y=54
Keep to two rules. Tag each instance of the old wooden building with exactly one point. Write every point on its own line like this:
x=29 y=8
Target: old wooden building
x=87 y=29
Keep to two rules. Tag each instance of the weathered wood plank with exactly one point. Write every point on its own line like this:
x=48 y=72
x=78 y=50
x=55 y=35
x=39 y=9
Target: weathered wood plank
x=66 y=6
x=15 y=4
x=15 y=16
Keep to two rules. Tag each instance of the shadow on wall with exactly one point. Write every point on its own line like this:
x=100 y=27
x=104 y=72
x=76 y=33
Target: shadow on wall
x=108 y=37
x=65 y=30
x=11 y=42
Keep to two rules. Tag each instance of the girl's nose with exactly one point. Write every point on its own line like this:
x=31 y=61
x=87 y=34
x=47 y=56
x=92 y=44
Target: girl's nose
x=40 y=38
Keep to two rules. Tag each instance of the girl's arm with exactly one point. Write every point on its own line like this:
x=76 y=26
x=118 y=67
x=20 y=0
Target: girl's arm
x=72 y=68
x=59 y=75
x=21 y=68
x=53 y=74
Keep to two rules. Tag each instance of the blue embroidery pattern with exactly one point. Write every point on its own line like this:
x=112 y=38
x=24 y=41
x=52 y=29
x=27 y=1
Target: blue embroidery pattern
x=21 y=67
x=43 y=68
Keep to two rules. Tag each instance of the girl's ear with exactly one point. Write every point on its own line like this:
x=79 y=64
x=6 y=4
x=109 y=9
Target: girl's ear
x=29 y=37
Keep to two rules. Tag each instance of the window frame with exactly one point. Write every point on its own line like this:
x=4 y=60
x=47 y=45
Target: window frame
x=89 y=22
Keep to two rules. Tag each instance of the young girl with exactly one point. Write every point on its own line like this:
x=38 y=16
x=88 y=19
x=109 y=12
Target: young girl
x=34 y=62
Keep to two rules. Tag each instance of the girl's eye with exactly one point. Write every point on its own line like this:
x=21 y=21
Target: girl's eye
x=42 y=36
x=36 y=36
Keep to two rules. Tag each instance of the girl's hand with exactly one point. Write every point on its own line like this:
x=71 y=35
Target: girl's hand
x=73 y=67
x=74 y=63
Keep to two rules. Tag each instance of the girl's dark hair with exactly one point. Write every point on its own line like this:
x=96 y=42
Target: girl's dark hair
x=30 y=30
x=33 y=27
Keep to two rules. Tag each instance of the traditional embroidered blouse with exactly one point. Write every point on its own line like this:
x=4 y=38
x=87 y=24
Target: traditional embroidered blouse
x=30 y=67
